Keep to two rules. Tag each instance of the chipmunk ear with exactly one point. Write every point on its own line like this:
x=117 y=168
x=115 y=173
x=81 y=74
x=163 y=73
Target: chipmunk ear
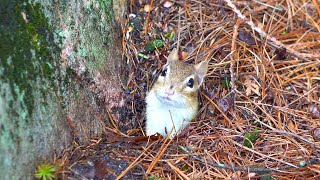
x=173 y=56
x=201 y=70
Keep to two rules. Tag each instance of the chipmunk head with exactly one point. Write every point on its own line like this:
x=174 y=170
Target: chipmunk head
x=179 y=82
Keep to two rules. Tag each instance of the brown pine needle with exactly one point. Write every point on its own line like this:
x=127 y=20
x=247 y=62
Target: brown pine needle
x=178 y=171
x=160 y=153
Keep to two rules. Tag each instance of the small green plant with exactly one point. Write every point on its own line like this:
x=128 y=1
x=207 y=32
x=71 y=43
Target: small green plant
x=170 y=35
x=143 y=56
x=153 y=178
x=152 y=45
x=251 y=138
x=226 y=83
x=45 y=171
x=185 y=168
x=285 y=32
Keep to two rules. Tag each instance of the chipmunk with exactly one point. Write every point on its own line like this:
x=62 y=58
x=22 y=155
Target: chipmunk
x=172 y=102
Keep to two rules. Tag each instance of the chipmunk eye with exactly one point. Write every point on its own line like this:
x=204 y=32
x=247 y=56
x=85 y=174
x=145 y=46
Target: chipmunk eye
x=190 y=83
x=164 y=72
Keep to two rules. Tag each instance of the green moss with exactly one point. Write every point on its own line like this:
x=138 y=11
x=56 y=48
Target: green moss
x=45 y=171
x=24 y=49
x=106 y=5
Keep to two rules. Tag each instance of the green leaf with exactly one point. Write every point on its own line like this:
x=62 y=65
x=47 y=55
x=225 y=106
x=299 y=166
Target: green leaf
x=158 y=43
x=251 y=138
x=153 y=178
x=285 y=32
x=143 y=56
x=170 y=35
x=226 y=83
x=185 y=167
x=152 y=45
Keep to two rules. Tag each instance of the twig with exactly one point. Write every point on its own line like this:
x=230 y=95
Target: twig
x=179 y=29
x=265 y=156
x=147 y=19
x=246 y=168
x=233 y=59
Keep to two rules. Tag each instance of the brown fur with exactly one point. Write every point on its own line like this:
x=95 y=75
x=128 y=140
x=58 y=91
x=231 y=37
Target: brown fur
x=179 y=71
x=182 y=105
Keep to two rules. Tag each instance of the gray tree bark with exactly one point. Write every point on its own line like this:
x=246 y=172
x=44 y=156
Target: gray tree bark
x=60 y=64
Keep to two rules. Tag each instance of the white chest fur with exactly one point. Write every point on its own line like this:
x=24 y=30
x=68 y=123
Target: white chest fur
x=162 y=118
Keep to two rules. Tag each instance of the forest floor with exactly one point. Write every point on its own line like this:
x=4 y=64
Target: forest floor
x=260 y=102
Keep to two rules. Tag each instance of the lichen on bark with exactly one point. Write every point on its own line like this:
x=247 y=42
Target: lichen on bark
x=27 y=93
x=25 y=50
x=51 y=52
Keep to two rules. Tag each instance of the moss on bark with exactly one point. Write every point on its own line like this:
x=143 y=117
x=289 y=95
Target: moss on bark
x=48 y=49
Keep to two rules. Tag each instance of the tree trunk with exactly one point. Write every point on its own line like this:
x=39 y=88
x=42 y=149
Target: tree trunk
x=59 y=72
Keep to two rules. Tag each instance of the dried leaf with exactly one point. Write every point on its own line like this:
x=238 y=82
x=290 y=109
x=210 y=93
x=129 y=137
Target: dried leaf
x=251 y=86
x=314 y=110
x=281 y=53
x=292 y=126
x=24 y=16
x=247 y=38
x=184 y=55
x=167 y=4
x=102 y=169
x=147 y=8
x=226 y=103
x=316 y=134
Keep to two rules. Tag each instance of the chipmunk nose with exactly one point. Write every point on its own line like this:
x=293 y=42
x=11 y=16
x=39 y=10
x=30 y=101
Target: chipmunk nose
x=169 y=91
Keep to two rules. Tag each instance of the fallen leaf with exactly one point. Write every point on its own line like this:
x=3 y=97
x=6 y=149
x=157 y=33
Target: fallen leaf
x=226 y=103
x=292 y=126
x=316 y=134
x=102 y=169
x=251 y=86
x=184 y=55
x=147 y=8
x=167 y=4
x=247 y=38
x=281 y=53
x=314 y=110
